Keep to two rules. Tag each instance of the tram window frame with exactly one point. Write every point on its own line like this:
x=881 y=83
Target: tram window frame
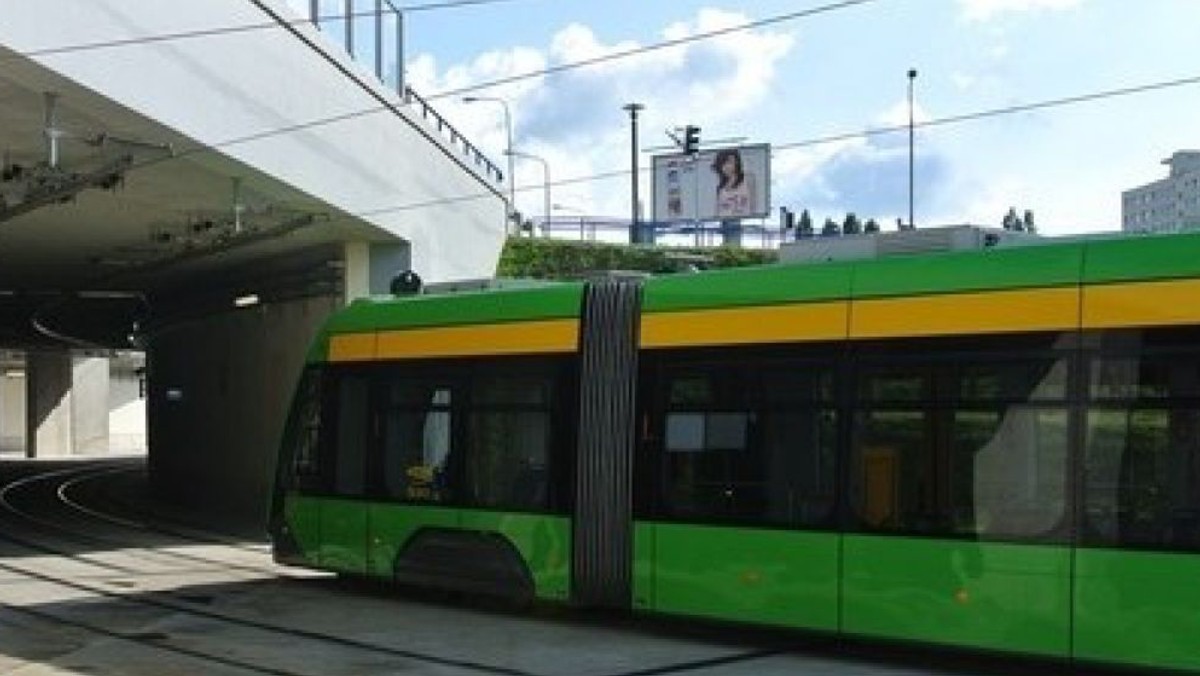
x=750 y=410
x=387 y=410
x=931 y=476
x=350 y=477
x=1127 y=510
x=483 y=412
x=325 y=478
x=463 y=377
x=304 y=440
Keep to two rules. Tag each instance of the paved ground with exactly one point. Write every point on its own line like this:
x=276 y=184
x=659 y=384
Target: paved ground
x=85 y=592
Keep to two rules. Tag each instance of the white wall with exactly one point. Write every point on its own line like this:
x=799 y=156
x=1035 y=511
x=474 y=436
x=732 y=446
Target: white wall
x=228 y=86
x=89 y=410
x=126 y=406
x=12 y=414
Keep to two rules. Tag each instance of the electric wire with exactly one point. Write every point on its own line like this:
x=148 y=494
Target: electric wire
x=560 y=68
x=231 y=30
x=845 y=136
x=653 y=47
x=997 y=112
x=623 y=54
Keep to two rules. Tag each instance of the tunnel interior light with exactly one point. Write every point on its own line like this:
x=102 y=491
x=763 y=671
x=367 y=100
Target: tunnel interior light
x=14 y=373
x=247 y=300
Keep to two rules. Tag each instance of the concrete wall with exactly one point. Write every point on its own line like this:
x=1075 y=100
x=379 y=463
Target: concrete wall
x=239 y=84
x=12 y=414
x=219 y=390
x=100 y=412
x=48 y=402
x=126 y=406
x=89 y=412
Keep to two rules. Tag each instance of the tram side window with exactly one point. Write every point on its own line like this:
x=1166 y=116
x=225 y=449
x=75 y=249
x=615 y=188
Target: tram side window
x=418 y=440
x=352 y=436
x=962 y=446
x=508 y=440
x=1142 y=457
x=304 y=433
x=749 y=443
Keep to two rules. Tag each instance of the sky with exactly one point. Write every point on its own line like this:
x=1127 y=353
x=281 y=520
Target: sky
x=841 y=72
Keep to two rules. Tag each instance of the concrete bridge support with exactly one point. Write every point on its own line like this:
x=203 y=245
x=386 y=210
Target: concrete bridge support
x=220 y=388
x=66 y=404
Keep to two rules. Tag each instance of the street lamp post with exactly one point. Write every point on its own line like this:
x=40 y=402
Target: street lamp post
x=545 y=183
x=512 y=200
x=912 y=76
x=634 y=233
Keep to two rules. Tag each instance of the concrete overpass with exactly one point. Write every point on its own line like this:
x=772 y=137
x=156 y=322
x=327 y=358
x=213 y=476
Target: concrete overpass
x=162 y=160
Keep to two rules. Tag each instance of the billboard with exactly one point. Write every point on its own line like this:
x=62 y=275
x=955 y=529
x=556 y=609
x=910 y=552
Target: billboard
x=719 y=184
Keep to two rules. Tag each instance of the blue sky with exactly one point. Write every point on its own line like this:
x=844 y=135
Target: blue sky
x=836 y=73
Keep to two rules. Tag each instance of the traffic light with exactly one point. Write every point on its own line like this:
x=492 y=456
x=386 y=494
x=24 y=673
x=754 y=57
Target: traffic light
x=691 y=139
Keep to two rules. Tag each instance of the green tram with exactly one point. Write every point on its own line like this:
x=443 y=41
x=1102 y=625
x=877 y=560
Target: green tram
x=997 y=450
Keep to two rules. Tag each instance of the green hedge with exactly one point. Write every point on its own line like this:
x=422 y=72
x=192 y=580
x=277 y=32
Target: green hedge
x=564 y=259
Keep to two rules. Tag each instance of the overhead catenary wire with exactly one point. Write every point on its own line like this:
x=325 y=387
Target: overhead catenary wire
x=653 y=47
x=1014 y=109
x=624 y=54
x=176 y=36
x=363 y=112
x=1044 y=104
x=583 y=63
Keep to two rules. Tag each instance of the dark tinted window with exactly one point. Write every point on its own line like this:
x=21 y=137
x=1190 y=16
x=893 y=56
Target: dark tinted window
x=475 y=433
x=418 y=440
x=1142 y=453
x=351 y=438
x=961 y=444
x=303 y=440
x=748 y=442
x=509 y=436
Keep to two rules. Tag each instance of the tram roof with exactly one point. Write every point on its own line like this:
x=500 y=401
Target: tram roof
x=1050 y=264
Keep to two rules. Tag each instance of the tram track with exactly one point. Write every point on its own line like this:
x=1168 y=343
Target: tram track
x=78 y=474
x=162 y=601
x=165 y=601
x=67 y=528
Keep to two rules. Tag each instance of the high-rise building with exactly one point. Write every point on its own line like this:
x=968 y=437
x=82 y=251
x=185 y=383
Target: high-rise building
x=1169 y=204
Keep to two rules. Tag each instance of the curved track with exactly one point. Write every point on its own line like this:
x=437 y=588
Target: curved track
x=139 y=567
x=92 y=582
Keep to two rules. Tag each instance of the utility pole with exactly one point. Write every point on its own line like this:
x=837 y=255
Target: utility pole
x=634 y=230
x=912 y=76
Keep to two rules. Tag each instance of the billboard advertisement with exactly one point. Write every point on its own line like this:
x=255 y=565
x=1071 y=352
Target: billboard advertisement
x=719 y=184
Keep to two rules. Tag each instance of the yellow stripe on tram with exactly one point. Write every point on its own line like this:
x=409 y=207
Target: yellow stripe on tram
x=1161 y=303
x=537 y=337
x=352 y=347
x=1045 y=309
x=730 y=326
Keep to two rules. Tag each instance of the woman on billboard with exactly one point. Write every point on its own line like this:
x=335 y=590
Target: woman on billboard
x=735 y=187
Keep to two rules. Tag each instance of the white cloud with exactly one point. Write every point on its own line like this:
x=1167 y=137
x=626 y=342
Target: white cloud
x=963 y=81
x=985 y=10
x=574 y=118
x=897 y=115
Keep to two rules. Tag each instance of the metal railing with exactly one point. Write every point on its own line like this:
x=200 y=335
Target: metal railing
x=453 y=135
x=372 y=33
x=614 y=229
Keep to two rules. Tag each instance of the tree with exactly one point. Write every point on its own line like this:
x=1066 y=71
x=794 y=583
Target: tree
x=805 y=228
x=1029 y=226
x=871 y=227
x=1011 y=220
x=831 y=229
x=851 y=225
